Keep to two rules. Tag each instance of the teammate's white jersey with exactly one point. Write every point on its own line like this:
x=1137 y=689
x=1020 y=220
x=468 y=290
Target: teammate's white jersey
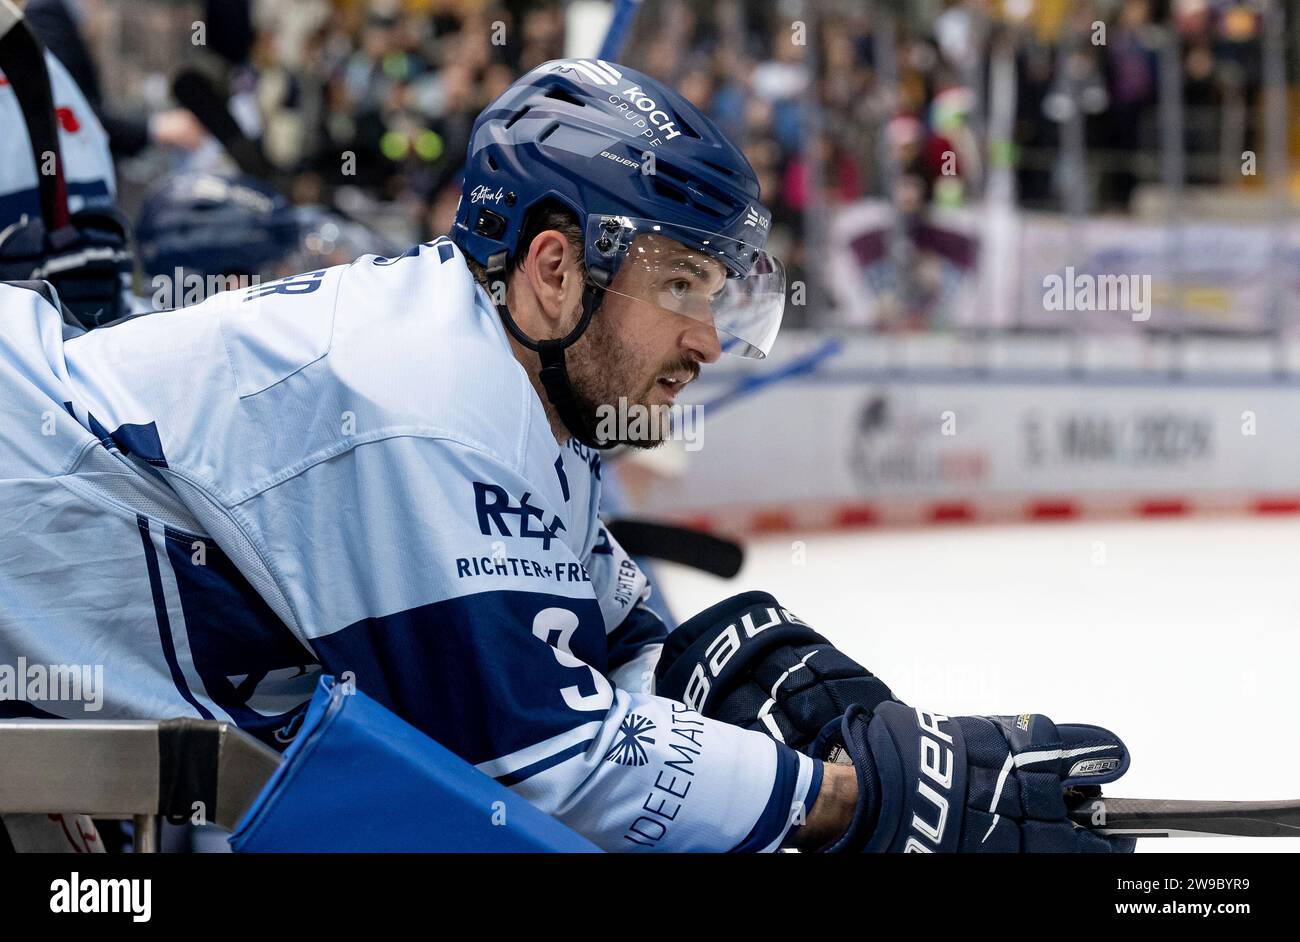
x=87 y=163
x=347 y=471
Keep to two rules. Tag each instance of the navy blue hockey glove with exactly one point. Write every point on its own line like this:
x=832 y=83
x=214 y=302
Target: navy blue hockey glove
x=748 y=662
x=971 y=784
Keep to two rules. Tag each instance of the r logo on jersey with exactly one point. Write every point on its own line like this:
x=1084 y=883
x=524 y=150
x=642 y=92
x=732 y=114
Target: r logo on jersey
x=492 y=505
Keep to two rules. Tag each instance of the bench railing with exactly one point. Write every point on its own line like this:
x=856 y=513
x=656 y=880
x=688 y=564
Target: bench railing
x=142 y=769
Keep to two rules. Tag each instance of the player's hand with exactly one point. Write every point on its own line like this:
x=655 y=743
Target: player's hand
x=177 y=127
x=970 y=784
x=749 y=662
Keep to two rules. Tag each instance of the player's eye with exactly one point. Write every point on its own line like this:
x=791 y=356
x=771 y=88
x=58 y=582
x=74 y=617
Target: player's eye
x=680 y=288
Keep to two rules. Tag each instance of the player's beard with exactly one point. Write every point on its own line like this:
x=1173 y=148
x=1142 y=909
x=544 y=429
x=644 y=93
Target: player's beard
x=602 y=371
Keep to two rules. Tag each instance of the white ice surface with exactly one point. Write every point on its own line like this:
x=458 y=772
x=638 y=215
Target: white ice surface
x=1182 y=636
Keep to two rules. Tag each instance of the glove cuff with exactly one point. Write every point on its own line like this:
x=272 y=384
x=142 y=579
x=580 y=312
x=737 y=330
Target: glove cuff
x=844 y=740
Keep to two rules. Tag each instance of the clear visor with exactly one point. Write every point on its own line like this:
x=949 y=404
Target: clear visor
x=682 y=271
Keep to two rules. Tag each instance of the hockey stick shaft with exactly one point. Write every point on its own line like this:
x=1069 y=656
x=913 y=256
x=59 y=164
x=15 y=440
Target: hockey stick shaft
x=23 y=56
x=800 y=366
x=620 y=27
x=703 y=551
x=1160 y=817
x=199 y=94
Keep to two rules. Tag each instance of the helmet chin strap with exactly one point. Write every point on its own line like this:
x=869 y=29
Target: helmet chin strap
x=555 y=374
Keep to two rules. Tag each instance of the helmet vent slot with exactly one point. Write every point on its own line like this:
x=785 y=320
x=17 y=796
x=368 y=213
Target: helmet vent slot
x=716 y=198
x=670 y=191
x=671 y=182
x=517 y=115
x=685 y=126
x=725 y=171
x=706 y=190
x=668 y=170
x=561 y=94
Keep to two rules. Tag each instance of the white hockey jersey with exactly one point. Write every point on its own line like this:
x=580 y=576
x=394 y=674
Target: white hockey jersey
x=87 y=162
x=347 y=471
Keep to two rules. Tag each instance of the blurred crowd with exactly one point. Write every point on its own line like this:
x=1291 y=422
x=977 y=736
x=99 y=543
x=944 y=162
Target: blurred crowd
x=832 y=101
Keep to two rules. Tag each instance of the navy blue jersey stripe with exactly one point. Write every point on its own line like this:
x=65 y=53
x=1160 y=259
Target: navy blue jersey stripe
x=13 y=206
x=541 y=765
x=780 y=804
x=470 y=672
x=236 y=641
x=105 y=438
x=164 y=623
x=564 y=478
x=641 y=627
x=141 y=441
x=809 y=799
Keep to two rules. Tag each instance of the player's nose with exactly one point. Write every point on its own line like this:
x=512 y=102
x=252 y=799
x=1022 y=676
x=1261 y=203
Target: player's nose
x=701 y=341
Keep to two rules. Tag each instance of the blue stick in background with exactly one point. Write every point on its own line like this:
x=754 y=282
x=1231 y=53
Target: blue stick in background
x=620 y=27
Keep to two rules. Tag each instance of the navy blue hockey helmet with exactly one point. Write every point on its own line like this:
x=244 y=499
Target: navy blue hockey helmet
x=205 y=224
x=646 y=174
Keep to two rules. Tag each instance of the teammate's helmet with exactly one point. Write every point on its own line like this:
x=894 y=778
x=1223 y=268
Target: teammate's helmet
x=207 y=224
x=637 y=164
x=210 y=225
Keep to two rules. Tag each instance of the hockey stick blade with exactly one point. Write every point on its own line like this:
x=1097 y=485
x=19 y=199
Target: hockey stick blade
x=1161 y=817
x=672 y=544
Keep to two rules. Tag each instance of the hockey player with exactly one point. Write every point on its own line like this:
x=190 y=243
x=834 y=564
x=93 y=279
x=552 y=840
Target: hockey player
x=87 y=163
x=57 y=218
x=388 y=471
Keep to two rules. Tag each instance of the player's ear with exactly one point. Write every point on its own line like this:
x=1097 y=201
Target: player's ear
x=553 y=270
